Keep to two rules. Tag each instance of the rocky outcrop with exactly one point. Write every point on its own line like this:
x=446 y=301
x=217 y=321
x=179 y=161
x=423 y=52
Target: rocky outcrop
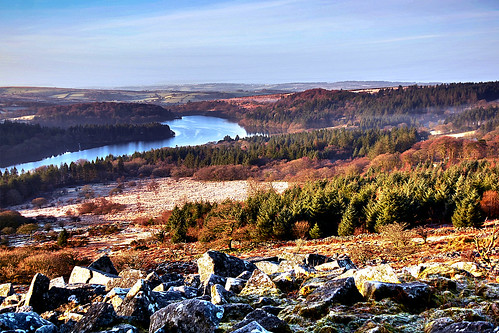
x=311 y=293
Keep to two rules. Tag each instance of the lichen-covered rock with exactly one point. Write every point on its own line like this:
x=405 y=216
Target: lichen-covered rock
x=90 y=276
x=448 y=326
x=210 y=281
x=104 y=264
x=381 y=273
x=287 y=281
x=489 y=291
x=78 y=294
x=57 y=282
x=300 y=270
x=221 y=264
x=341 y=291
x=35 y=296
x=127 y=279
x=122 y=328
x=308 y=259
x=259 y=284
x=235 y=285
x=266 y=320
x=6 y=289
x=98 y=316
x=187 y=316
x=187 y=292
x=414 y=295
x=268 y=267
x=192 y=280
x=236 y=311
x=139 y=303
x=25 y=322
x=252 y=327
x=219 y=295
x=313 y=283
x=442 y=270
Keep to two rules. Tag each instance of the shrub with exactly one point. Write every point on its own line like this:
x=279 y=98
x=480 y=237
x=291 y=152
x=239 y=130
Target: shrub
x=301 y=229
x=62 y=238
x=101 y=206
x=12 y=218
x=490 y=204
x=27 y=229
x=39 y=202
x=106 y=229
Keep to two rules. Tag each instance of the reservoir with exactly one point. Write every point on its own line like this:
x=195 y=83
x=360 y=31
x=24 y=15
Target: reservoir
x=189 y=131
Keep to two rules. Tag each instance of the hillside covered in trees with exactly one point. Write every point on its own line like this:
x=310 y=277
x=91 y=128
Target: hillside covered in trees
x=23 y=141
x=101 y=113
x=319 y=108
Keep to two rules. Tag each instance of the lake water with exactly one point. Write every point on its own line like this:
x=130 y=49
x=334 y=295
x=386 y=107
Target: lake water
x=189 y=131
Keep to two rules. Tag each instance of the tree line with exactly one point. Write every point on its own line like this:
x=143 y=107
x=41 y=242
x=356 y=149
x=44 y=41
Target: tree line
x=321 y=108
x=463 y=194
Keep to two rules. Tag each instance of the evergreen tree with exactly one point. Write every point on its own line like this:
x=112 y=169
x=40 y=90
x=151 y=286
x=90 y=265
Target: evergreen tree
x=467 y=212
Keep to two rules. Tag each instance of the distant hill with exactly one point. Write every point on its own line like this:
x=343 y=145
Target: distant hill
x=274 y=88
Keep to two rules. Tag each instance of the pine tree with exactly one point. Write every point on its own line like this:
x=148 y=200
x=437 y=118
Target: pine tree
x=315 y=232
x=467 y=212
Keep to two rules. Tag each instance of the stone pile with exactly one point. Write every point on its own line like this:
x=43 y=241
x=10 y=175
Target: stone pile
x=289 y=293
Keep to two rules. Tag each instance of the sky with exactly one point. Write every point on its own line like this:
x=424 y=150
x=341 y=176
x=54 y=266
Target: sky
x=90 y=43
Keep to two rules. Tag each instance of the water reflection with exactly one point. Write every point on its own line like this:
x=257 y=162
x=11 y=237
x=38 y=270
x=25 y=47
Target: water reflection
x=189 y=131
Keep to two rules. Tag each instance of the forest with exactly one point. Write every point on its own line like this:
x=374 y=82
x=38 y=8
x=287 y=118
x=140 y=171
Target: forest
x=20 y=140
x=319 y=108
x=101 y=113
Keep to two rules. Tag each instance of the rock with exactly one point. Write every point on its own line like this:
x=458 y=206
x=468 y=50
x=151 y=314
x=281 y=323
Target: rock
x=309 y=259
x=259 y=284
x=122 y=328
x=253 y=327
x=90 y=276
x=300 y=270
x=210 y=281
x=235 y=285
x=192 y=280
x=489 y=291
x=381 y=273
x=442 y=270
x=218 y=263
x=187 y=316
x=268 y=267
x=57 y=282
x=470 y=267
x=6 y=289
x=313 y=283
x=128 y=278
x=35 y=296
x=245 y=275
x=266 y=320
x=104 y=264
x=287 y=281
x=340 y=262
x=139 y=303
x=272 y=309
x=448 y=326
x=341 y=291
x=187 y=292
x=153 y=279
x=414 y=295
x=219 y=295
x=98 y=316
x=78 y=294
x=235 y=311
x=25 y=322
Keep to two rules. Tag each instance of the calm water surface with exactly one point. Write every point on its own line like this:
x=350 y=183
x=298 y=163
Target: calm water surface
x=189 y=131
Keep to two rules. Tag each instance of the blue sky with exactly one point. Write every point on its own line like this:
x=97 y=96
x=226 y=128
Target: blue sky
x=117 y=43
